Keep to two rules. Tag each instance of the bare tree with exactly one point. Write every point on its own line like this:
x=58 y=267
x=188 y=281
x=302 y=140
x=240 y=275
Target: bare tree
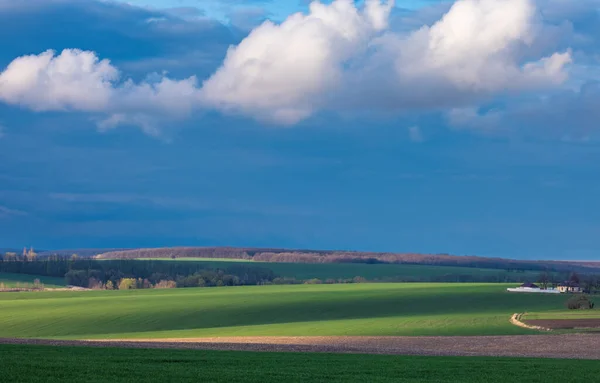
x=544 y=280
x=574 y=278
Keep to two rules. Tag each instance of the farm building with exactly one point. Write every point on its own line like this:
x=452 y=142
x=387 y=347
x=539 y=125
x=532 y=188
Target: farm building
x=569 y=287
x=532 y=288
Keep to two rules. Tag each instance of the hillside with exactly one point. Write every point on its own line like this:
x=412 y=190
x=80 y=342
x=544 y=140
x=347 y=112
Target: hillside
x=298 y=310
x=396 y=272
x=335 y=256
x=70 y=252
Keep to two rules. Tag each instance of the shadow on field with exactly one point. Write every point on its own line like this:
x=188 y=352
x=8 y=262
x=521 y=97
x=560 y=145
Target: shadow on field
x=140 y=311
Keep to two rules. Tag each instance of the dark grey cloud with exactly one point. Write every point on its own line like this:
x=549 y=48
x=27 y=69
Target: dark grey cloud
x=569 y=115
x=119 y=32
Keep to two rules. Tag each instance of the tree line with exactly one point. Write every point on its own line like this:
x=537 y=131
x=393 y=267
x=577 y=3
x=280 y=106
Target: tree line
x=589 y=283
x=327 y=256
x=110 y=273
x=91 y=272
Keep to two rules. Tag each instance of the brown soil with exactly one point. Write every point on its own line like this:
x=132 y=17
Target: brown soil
x=565 y=323
x=579 y=346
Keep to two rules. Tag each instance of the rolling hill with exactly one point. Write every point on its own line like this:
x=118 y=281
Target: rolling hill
x=331 y=256
x=297 y=310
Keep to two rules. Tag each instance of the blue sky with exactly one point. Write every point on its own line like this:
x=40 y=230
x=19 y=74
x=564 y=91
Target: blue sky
x=278 y=9
x=221 y=10
x=422 y=128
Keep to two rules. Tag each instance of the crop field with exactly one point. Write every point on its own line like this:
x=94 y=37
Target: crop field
x=292 y=310
x=564 y=314
x=11 y=280
x=565 y=319
x=200 y=259
x=82 y=364
x=369 y=271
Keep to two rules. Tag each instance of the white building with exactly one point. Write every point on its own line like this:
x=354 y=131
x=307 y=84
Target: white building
x=569 y=287
x=532 y=288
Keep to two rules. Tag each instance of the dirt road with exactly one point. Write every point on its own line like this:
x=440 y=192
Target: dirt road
x=580 y=346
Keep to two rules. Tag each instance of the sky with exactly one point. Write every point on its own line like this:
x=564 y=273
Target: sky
x=467 y=127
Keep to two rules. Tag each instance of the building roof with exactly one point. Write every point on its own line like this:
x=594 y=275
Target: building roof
x=530 y=285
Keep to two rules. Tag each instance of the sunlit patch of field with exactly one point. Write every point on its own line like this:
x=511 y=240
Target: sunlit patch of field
x=292 y=310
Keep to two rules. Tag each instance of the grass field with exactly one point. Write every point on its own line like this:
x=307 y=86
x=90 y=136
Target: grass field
x=295 y=310
x=11 y=280
x=199 y=259
x=81 y=364
x=369 y=271
x=564 y=314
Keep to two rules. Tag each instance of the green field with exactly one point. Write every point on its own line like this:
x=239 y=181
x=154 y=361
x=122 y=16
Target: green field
x=564 y=314
x=198 y=259
x=11 y=280
x=296 y=310
x=82 y=364
x=371 y=272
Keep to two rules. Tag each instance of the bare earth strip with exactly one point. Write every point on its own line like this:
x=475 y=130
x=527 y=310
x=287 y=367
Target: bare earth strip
x=565 y=323
x=573 y=346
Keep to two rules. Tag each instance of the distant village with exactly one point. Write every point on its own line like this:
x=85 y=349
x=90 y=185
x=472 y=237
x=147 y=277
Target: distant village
x=565 y=287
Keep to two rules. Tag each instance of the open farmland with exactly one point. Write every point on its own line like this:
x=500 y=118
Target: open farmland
x=400 y=272
x=296 y=310
x=78 y=364
x=12 y=280
x=565 y=319
x=564 y=314
x=198 y=259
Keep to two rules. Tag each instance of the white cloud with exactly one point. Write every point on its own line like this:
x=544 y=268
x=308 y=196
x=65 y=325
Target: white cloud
x=336 y=57
x=164 y=95
x=76 y=80
x=283 y=72
x=378 y=13
x=475 y=46
x=72 y=80
x=145 y=122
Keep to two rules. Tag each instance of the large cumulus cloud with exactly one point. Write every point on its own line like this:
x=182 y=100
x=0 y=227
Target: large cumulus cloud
x=282 y=71
x=76 y=80
x=476 y=46
x=117 y=63
x=72 y=80
x=336 y=57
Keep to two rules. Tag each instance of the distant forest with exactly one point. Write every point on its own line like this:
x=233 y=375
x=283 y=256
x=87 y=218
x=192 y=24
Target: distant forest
x=316 y=256
x=91 y=273
x=120 y=269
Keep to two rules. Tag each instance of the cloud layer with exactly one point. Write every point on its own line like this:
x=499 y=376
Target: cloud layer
x=337 y=53
x=335 y=57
